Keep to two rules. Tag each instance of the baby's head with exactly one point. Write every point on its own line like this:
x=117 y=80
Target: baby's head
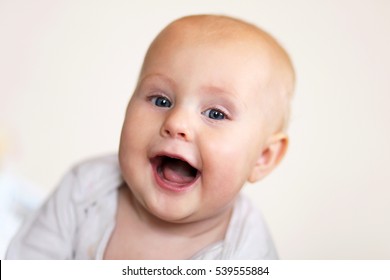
x=208 y=114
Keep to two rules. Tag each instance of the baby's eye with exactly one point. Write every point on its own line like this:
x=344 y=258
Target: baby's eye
x=161 y=101
x=215 y=114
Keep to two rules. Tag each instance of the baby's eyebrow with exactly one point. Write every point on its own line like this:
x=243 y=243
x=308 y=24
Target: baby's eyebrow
x=157 y=77
x=221 y=91
x=224 y=92
x=218 y=90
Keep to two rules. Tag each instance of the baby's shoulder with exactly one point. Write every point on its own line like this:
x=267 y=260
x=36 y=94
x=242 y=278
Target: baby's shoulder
x=97 y=166
x=92 y=178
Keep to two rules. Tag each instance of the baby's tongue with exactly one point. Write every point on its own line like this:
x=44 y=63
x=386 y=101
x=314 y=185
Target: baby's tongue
x=177 y=171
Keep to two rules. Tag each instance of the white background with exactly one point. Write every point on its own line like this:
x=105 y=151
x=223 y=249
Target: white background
x=68 y=68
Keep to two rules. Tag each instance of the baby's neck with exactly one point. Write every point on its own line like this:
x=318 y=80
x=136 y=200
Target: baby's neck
x=140 y=235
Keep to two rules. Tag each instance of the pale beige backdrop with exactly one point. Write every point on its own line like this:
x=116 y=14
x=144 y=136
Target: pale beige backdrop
x=67 y=69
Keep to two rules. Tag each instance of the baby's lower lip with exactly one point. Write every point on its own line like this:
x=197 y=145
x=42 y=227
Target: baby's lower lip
x=167 y=185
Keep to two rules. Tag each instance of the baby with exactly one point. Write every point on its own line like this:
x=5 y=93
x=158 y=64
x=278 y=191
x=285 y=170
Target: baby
x=208 y=114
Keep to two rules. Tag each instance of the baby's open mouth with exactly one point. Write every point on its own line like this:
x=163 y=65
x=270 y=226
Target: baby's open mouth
x=174 y=171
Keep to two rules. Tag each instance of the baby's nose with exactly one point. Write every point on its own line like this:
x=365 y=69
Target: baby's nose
x=177 y=125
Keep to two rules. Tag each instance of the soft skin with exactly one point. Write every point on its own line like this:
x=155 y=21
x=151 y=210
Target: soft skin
x=197 y=73
x=213 y=91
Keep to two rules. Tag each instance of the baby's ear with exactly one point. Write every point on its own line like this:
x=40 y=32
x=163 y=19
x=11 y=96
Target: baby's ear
x=270 y=157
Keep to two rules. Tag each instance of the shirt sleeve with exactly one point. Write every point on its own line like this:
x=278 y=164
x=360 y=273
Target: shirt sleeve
x=49 y=233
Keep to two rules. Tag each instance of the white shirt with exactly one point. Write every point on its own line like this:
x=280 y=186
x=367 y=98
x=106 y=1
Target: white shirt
x=78 y=219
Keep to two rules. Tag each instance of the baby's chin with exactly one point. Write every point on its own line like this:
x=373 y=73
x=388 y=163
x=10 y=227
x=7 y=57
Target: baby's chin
x=191 y=217
x=173 y=215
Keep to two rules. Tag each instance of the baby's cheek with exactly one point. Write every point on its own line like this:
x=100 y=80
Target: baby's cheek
x=225 y=170
x=138 y=126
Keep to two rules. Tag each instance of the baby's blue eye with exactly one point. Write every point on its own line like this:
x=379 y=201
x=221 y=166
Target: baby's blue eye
x=215 y=114
x=161 y=101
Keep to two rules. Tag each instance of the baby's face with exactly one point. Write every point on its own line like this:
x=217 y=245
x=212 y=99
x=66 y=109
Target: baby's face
x=195 y=126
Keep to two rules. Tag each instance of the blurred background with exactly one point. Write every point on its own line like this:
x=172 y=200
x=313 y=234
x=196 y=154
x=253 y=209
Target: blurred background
x=68 y=68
